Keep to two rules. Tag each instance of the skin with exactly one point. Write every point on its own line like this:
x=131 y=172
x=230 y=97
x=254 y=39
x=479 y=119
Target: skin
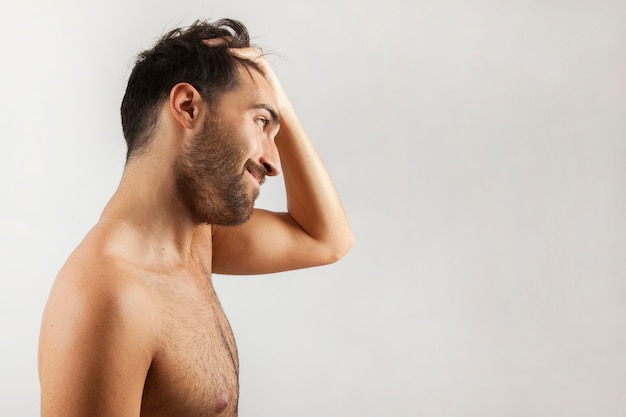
x=133 y=326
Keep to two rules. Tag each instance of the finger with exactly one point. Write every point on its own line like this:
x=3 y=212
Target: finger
x=251 y=54
x=222 y=41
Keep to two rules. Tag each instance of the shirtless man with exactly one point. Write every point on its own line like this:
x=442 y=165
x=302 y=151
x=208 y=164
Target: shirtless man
x=133 y=326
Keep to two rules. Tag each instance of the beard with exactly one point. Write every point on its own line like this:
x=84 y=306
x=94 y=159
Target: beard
x=210 y=180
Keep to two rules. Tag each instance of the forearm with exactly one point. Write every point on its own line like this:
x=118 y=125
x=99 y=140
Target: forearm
x=316 y=230
x=312 y=200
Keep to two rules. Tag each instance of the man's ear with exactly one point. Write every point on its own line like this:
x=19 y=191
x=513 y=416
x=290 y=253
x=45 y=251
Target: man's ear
x=185 y=103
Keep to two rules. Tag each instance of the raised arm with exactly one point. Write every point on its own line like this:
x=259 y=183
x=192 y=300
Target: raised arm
x=314 y=230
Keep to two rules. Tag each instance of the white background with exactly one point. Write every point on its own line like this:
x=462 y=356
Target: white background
x=480 y=150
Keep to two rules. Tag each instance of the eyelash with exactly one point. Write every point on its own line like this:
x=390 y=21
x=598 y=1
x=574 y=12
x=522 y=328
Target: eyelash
x=265 y=122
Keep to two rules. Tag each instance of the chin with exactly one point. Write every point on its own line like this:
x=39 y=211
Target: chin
x=233 y=209
x=231 y=218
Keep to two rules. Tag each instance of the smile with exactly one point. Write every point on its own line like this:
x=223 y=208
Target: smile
x=254 y=176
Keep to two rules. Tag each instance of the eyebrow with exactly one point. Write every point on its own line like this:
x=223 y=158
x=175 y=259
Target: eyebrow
x=273 y=113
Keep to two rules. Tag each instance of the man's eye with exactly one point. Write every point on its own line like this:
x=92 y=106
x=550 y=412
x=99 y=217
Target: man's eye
x=262 y=121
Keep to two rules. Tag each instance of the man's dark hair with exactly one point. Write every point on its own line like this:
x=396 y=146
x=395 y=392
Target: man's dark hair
x=180 y=56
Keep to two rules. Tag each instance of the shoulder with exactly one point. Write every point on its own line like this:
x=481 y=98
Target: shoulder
x=92 y=281
x=96 y=293
x=97 y=336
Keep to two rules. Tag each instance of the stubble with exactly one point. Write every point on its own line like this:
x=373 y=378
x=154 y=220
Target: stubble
x=210 y=180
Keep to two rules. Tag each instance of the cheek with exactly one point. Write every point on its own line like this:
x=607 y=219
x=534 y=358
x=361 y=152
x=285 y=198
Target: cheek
x=247 y=143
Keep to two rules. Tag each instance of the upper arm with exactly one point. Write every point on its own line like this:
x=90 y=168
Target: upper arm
x=94 y=350
x=268 y=242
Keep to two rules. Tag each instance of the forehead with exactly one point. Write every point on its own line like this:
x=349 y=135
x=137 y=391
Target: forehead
x=252 y=89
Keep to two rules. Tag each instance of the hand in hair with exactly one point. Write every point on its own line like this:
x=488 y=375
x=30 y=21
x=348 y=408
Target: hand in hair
x=260 y=59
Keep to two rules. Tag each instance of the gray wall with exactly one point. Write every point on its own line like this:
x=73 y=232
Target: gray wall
x=480 y=150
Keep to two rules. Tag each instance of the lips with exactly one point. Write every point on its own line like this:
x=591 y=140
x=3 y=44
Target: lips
x=257 y=171
x=254 y=176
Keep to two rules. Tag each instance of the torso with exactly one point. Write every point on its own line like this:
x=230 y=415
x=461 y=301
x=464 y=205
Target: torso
x=190 y=361
x=194 y=371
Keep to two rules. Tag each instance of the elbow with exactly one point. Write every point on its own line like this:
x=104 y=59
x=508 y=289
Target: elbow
x=339 y=247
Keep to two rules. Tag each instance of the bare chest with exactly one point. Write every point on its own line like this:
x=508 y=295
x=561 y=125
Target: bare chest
x=195 y=369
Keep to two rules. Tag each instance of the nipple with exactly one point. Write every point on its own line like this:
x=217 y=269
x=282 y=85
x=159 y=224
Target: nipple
x=222 y=402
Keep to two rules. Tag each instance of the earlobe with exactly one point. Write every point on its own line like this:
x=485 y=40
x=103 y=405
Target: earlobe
x=184 y=104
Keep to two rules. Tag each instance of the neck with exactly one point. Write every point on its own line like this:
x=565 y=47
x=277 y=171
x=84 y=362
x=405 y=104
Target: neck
x=156 y=227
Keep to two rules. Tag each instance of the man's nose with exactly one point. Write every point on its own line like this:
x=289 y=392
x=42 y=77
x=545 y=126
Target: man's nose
x=270 y=158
